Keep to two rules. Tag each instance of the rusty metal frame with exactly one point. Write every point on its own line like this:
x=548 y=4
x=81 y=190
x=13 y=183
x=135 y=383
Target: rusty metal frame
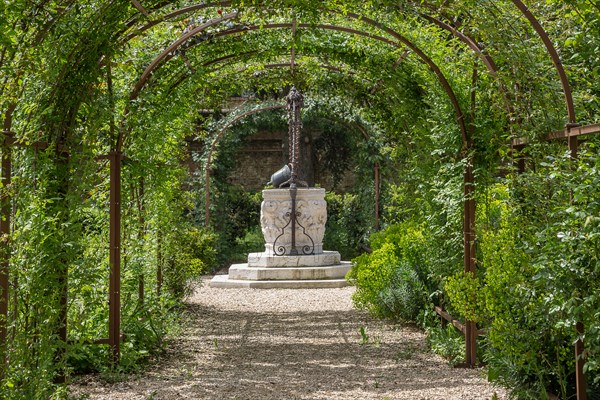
x=569 y=132
x=488 y=61
x=176 y=13
x=5 y=221
x=169 y=53
x=430 y=63
x=184 y=76
x=116 y=157
x=171 y=49
x=213 y=146
x=140 y=8
x=114 y=315
x=554 y=56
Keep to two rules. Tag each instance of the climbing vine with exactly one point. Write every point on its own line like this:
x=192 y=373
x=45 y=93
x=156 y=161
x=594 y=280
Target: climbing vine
x=419 y=90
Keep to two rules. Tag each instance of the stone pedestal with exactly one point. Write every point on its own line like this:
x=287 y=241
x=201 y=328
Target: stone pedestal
x=278 y=266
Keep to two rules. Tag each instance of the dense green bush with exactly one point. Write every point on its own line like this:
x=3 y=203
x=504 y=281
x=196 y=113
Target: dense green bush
x=390 y=280
x=190 y=252
x=539 y=241
x=347 y=224
x=236 y=211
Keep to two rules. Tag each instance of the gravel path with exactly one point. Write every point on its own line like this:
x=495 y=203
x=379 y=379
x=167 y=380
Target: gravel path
x=292 y=344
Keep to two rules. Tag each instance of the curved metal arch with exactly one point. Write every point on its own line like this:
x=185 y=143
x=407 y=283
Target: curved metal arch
x=553 y=55
x=184 y=76
x=172 y=47
x=485 y=58
x=176 y=13
x=222 y=131
x=460 y=116
x=564 y=80
x=146 y=74
x=213 y=147
x=168 y=53
x=428 y=61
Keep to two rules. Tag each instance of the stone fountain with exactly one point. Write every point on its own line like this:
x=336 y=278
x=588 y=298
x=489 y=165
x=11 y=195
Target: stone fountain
x=292 y=218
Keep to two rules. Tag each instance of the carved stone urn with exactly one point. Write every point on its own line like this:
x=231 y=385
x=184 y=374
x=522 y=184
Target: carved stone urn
x=275 y=221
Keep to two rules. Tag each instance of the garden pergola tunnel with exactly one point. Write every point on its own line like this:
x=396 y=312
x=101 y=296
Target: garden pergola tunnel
x=223 y=31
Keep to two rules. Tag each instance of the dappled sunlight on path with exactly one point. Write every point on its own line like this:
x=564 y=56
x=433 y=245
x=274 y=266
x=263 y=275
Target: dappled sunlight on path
x=292 y=344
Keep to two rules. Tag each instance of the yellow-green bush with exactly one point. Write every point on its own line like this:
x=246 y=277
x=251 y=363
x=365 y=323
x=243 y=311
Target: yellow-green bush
x=388 y=280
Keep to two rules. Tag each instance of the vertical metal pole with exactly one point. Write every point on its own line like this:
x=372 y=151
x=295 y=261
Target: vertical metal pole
x=377 y=196
x=522 y=164
x=580 y=380
x=293 y=190
x=114 y=316
x=62 y=170
x=159 y=262
x=469 y=257
x=207 y=194
x=295 y=100
x=5 y=210
x=573 y=146
x=141 y=232
x=469 y=222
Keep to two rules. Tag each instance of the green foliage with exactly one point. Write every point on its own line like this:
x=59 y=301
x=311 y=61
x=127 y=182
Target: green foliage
x=537 y=277
x=189 y=253
x=237 y=212
x=67 y=72
x=447 y=342
x=371 y=274
x=462 y=290
x=347 y=224
x=334 y=149
x=389 y=281
x=252 y=242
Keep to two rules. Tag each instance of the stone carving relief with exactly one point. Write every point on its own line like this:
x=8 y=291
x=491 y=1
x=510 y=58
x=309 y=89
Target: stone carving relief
x=311 y=211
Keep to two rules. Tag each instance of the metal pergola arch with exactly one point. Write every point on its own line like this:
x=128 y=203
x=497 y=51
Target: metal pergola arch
x=528 y=15
x=338 y=69
x=486 y=59
x=259 y=109
x=168 y=54
x=467 y=139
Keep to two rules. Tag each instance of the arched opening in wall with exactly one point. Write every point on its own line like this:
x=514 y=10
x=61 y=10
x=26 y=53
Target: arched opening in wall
x=348 y=155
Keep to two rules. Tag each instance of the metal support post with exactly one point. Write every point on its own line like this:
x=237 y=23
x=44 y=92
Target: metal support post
x=159 y=264
x=469 y=257
x=377 y=194
x=114 y=316
x=5 y=210
x=580 y=380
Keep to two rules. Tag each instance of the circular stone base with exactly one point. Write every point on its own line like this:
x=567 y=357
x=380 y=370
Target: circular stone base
x=267 y=260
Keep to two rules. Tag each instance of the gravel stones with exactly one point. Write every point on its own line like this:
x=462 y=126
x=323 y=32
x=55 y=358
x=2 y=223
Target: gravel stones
x=292 y=344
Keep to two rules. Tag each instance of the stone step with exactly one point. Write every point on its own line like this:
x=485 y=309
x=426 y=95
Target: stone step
x=246 y=272
x=269 y=260
x=223 y=281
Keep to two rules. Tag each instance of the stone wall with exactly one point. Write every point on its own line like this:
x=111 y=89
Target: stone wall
x=266 y=152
